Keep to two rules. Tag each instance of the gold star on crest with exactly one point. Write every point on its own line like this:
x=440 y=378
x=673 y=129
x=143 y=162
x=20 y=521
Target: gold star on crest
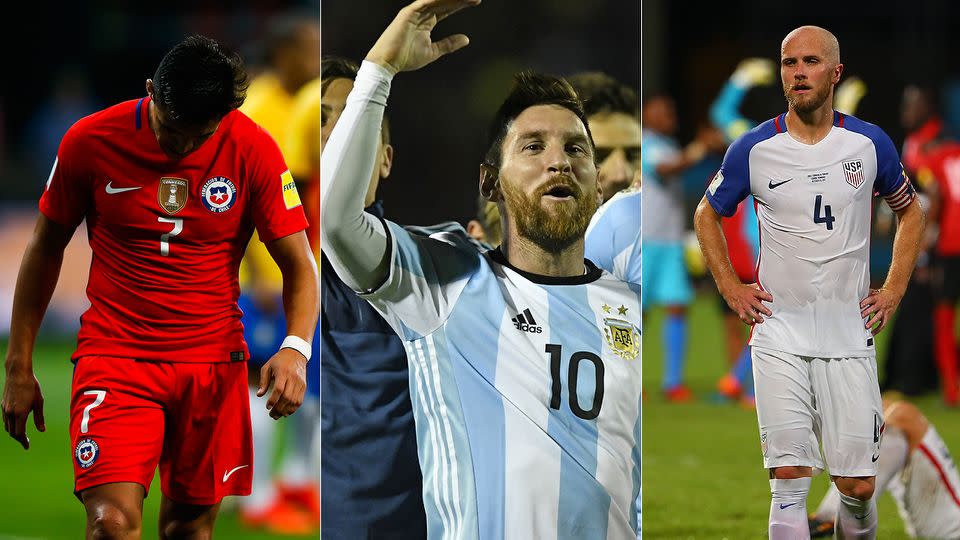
x=622 y=310
x=606 y=308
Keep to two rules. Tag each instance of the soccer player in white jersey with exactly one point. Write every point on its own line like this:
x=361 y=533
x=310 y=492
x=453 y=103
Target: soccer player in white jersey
x=524 y=360
x=916 y=468
x=813 y=172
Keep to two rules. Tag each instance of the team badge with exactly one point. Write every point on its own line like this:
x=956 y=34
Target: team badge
x=853 y=172
x=218 y=194
x=172 y=194
x=622 y=336
x=86 y=453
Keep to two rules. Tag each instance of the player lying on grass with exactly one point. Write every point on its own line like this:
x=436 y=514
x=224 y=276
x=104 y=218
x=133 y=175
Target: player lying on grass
x=916 y=468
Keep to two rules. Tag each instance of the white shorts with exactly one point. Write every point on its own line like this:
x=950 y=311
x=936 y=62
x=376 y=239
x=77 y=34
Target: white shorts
x=803 y=402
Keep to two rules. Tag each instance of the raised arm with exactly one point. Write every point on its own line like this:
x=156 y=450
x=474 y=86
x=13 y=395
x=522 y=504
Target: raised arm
x=39 y=271
x=355 y=242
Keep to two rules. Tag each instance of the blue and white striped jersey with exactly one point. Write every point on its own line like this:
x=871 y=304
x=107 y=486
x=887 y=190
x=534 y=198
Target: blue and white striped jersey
x=613 y=237
x=526 y=391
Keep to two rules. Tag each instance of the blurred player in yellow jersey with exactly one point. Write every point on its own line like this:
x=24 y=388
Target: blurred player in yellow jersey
x=291 y=505
x=302 y=152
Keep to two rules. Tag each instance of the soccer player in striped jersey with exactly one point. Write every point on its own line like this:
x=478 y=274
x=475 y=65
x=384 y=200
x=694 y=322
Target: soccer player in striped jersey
x=524 y=360
x=813 y=172
x=916 y=467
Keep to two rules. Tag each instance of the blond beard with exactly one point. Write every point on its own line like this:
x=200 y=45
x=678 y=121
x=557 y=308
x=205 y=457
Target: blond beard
x=813 y=102
x=553 y=231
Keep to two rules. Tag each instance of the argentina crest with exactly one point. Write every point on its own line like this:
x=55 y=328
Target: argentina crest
x=622 y=337
x=172 y=194
x=853 y=172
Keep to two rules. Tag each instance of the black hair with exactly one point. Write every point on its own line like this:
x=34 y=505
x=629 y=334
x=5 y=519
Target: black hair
x=199 y=81
x=337 y=67
x=601 y=93
x=530 y=89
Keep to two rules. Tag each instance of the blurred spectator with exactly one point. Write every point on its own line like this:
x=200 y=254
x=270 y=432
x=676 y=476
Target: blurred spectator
x=70 y=100
x=665 y=279
x=913 y=349
x=292 y=505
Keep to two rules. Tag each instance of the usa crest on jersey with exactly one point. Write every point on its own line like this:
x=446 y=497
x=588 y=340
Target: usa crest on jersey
x=853 y=172
x=86 y=453
x=218 y=194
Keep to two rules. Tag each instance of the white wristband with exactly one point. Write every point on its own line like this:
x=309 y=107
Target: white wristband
x=298 y=344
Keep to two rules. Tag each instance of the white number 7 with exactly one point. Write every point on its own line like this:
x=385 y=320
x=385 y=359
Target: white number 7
x=165 y=238
x=85 y=423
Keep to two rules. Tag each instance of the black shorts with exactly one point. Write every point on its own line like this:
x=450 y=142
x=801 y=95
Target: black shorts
x=946 y=281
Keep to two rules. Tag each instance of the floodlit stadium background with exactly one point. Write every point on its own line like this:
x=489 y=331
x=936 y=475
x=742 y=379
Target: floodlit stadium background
x=59 y=64
x=702 y=468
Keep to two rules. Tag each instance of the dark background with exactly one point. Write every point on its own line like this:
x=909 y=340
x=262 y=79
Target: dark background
x=690 y=49
x=61 y=61
x=439 y=114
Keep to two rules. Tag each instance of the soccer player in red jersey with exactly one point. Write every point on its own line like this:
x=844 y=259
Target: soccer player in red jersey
x=939 y=172
x=172 y=186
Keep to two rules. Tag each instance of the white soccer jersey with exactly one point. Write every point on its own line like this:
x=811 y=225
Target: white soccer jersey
x=927 y=492
x=814 y=206
x=526 y=392
x=613 y=237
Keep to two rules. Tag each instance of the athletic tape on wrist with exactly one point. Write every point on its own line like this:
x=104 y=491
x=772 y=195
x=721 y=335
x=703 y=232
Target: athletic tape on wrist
x=298 y=344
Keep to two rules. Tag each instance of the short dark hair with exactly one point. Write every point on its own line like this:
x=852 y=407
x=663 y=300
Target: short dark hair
x=601 y=93
x=199 y=81
x=530 y=89
x=337 y=67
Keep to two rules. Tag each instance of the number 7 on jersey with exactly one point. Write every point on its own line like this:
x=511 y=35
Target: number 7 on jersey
x=165 y=238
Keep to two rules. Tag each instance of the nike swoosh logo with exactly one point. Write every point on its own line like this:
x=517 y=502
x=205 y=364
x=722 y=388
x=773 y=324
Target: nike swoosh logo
x=771 y=185
x=229 y=473
x=112 y=190
x=874 y=459
x=785 y=506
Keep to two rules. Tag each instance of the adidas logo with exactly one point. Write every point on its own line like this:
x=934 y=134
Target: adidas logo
x=524 y=321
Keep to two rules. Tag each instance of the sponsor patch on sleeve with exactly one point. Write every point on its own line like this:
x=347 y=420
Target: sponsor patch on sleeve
x=291 y=198
x=717 y=180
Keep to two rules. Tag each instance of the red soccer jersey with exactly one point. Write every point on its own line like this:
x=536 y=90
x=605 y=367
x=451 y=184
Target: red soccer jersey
x=943 y=162
x=167 y=235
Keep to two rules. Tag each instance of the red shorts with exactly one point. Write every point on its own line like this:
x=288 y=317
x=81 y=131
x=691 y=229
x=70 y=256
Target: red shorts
x=193 y=420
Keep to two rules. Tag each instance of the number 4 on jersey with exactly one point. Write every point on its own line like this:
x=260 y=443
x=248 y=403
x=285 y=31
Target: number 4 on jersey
x=827 y=217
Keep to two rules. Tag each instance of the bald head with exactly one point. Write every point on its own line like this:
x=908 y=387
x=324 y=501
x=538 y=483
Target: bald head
x=818 y=37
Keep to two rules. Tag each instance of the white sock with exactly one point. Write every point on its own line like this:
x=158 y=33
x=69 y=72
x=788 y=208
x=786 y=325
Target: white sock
x=893 y=458
x=297 y=468
x=263 y=492
x=788 y=509
x=856 y=518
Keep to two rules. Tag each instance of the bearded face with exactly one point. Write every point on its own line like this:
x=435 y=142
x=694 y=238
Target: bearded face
x=554 y=216
x=803 y=97
x=548 y=178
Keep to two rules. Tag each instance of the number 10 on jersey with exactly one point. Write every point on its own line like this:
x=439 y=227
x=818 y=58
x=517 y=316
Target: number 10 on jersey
x=556 y=390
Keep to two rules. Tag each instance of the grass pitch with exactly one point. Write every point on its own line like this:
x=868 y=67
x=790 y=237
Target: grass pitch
x=703 y=475
x=37 y=497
